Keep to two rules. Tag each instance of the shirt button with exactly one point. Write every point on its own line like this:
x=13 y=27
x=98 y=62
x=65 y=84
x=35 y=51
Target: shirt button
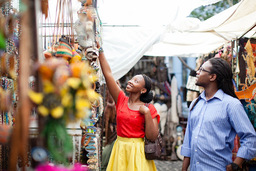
x=197 y=162
x=195 y=137
x=195 y=150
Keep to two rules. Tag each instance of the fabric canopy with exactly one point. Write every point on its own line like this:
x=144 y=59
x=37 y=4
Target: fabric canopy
x=185 y=37
x=146 y=12
x=210 y=34
x=124 y=46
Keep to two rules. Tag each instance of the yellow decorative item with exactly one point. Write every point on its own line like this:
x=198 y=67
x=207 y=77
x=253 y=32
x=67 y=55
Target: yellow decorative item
x=48 y=87
x=86 y=83
x=66 y=99
x=74 y=82
x=37 y=98
x=82 y=103
x=43 y=110
x=92 y=95
x=76 y=57
x=81 y=93
x=93 y=78
x=57 y=112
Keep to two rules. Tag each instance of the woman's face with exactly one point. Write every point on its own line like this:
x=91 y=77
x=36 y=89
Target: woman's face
x=136 y=84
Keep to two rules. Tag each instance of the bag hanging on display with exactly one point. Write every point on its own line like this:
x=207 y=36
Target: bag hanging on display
x=153 y=149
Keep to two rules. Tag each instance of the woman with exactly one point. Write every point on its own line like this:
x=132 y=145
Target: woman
x=134 y=121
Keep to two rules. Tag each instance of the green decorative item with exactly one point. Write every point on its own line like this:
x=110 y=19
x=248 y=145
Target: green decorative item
x=59 y=143
x=2 y=41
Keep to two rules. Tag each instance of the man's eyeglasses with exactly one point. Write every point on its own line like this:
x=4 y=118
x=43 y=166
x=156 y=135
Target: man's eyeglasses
x=202 y=69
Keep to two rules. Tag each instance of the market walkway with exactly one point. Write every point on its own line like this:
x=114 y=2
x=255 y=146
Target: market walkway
x=168 y=165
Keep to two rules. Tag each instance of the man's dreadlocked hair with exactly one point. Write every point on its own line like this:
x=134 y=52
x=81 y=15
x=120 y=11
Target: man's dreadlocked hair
x=222 y=69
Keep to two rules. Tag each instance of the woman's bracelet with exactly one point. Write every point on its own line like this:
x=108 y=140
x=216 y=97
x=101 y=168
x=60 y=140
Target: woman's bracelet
x=101 y=50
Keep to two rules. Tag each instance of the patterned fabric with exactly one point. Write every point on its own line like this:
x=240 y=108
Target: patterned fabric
x=64 y=50
x=211 y=130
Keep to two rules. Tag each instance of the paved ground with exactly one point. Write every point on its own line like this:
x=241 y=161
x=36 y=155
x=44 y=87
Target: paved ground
x=168 y=165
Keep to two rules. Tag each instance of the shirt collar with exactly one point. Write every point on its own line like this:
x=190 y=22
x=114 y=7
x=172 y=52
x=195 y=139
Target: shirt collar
x=219 y=94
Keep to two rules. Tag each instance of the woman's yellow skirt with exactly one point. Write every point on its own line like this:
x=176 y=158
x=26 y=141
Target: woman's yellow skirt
x=128 y=155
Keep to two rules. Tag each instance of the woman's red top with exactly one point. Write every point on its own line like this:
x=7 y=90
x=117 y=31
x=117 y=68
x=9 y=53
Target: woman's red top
x=131 y=123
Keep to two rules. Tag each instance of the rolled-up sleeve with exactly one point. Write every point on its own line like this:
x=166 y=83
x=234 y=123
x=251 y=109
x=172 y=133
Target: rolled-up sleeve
x=243 y=127
x=186 y=146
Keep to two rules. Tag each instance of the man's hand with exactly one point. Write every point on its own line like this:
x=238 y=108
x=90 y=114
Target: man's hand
x=229 y=167
x=233 y=167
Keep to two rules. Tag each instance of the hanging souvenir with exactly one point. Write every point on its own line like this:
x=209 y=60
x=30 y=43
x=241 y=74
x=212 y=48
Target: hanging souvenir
x=66 y=97
x=250 y=59
x=85 y=28
x=44 y=7
x=64 y=49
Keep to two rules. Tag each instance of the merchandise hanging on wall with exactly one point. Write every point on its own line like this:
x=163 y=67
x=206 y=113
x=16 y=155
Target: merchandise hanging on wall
x=9 y=70
x=64 y=87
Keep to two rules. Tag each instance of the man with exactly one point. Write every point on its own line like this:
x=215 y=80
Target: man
x=215 y=118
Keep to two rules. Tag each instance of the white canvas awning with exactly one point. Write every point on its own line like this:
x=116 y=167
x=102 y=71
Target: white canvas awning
x=185 y=37
x=208 y=35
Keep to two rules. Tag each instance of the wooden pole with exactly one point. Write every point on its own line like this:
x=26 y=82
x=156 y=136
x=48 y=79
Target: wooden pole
x=20 y=135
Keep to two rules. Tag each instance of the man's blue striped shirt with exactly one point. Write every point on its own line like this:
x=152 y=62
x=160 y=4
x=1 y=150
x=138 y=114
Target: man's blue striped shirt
x=211 y=129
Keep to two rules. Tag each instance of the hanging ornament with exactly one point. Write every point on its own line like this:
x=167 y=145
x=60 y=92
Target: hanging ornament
x=44 y=7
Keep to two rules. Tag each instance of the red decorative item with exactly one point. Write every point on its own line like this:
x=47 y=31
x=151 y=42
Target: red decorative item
x=236 y=147
x=5 y=131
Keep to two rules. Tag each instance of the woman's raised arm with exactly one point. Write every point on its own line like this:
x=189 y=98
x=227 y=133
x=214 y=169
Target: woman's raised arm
x=113 y=87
